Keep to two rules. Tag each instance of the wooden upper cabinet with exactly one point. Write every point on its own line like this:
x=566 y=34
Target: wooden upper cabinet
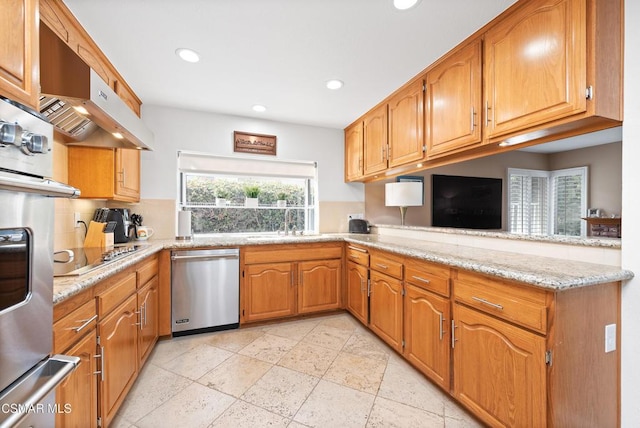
x=353 y=152
x=536 y=67
x=19 y=54
x=406 y=125
x=454 y=101
x=105 y=173
x=375 y=140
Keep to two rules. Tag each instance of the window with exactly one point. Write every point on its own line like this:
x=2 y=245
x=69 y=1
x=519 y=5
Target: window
x=547 y=202
x=215 y=188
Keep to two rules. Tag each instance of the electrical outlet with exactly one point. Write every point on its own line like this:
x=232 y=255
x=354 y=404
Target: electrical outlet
x=76 y=219
x=609 y=338
x=357 y=215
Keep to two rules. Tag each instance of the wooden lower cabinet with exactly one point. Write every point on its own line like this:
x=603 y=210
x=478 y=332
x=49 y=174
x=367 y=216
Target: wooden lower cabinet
x=385 y=309
x=426 y=334
x=499 y=370
x=118 y=343
x=269 y=291
x=148 y=308
x=77 y=395
x=319 y=285
x=358 y=291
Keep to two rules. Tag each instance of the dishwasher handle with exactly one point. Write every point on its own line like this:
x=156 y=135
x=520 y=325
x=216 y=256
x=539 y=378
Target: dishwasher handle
x=207 y=257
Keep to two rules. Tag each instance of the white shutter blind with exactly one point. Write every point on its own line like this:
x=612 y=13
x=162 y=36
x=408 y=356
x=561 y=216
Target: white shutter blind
x=191 y=162
x=569 y=201
x=528 y=201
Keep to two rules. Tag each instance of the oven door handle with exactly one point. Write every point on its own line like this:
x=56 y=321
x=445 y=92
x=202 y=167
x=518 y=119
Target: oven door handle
x=44 y=187
x=34 y=386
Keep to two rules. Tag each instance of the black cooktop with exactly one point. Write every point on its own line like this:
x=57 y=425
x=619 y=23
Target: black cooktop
x=78 y=261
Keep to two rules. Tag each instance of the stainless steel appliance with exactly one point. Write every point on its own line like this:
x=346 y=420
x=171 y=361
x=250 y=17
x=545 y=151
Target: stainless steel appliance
x=205 y=290
x=28 y=375
x=78 y=261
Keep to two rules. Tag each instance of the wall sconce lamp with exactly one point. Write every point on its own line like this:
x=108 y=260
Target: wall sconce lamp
x=403 y=194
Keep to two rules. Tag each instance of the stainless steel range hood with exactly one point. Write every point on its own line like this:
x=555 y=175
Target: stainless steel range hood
x=80 y=104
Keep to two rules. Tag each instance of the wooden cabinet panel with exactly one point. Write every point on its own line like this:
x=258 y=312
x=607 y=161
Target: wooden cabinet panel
x=127 y=174
x=105 y=173
x=406 y=125
x=119 y=289
x=319 y=285
x=77 y=395
x=146 y=270
x=74 y=326
x=385 y=309
x=429 y=276
x=385 y=264
x=357 y=255
x=354 y=152
x=19 y=53
x=118 y=339
x=148 y=328
x=269 y=291
x=536 y=65
x=357 y=291
x=375 y=140
x=454 y=101
x=499 y=370
x=427 y=341
x=525 y=306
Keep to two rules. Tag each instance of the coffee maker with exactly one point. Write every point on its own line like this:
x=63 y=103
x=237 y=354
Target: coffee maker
x=124 y=231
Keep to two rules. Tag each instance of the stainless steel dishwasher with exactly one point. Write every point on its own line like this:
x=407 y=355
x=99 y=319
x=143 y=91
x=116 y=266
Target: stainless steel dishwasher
x=205 y=290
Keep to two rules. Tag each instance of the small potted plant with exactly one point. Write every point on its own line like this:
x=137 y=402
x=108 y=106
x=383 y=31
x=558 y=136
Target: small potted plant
x=251 y=193
x=221 y=198
x=282 y=200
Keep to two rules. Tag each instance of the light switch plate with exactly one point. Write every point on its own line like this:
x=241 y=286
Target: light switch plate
x=609 y=338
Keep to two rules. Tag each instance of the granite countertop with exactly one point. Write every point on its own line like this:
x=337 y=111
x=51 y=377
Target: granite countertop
x=544 y=272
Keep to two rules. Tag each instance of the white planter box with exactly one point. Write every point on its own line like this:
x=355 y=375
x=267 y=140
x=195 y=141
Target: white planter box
x=281 y=203
x=221 y=202
x=251 y=202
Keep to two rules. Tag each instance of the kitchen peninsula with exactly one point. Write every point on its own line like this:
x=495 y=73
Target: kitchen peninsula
x=536 y=311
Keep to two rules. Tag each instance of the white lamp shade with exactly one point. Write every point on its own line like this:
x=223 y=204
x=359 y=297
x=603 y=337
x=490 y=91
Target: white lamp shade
x=403 y=194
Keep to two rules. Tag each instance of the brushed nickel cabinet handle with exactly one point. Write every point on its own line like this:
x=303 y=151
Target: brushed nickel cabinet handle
x=453 y=334
x=488 y=303
x=357 y=249
x=486 y=113
x=101 y=371
x=473 y=118
x=417 y=278
x=381 y=266
x=441 y=329
x=86 y=323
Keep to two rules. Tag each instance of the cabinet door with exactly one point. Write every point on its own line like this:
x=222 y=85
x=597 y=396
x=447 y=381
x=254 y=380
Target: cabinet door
x=19 y=62
x=426 y=332
x=499 y=370
x=319 y=285
x=375 y=140
x=357 y=291
x=127 y=174
x=354 y=148
x=91 y=171
x=535 y=65
x=385 y=309
x=406 y=125
x=269 y=291
x=118 y=338
x=148 y=328
x=77 y=395
x=454 y=101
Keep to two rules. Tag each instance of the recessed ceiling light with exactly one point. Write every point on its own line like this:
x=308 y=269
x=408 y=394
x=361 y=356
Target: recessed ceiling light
x=405 y=4
x=334 y=84
x=188 y=55
x=259 y=108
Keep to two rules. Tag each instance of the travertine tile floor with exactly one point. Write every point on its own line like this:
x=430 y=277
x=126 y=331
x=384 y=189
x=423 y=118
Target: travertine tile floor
x=321 y=372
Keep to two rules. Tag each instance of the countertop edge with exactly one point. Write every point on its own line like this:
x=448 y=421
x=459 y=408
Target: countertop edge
x=66 y=287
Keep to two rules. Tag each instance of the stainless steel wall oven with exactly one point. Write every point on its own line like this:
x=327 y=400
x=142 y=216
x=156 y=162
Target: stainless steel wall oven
x=28 y=372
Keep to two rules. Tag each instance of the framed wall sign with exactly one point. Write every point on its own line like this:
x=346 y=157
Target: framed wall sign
x=254 y=143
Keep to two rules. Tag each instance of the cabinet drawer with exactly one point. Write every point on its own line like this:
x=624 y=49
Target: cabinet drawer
x=386 y=265
x=358 y=255
x=519 y=304
x=74 y=326
x=116 y=293
x=147 y=270
x=428 y=276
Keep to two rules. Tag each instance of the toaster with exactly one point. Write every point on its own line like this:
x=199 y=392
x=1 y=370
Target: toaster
x=357 y=225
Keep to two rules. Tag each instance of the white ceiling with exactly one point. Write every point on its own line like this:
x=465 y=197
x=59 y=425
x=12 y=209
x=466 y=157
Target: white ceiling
x=278 y=53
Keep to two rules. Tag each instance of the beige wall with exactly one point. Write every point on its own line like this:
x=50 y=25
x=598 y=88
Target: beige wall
x=605 y=186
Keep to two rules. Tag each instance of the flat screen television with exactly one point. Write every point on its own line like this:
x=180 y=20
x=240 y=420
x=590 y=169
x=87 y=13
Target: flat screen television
x=466 y=202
